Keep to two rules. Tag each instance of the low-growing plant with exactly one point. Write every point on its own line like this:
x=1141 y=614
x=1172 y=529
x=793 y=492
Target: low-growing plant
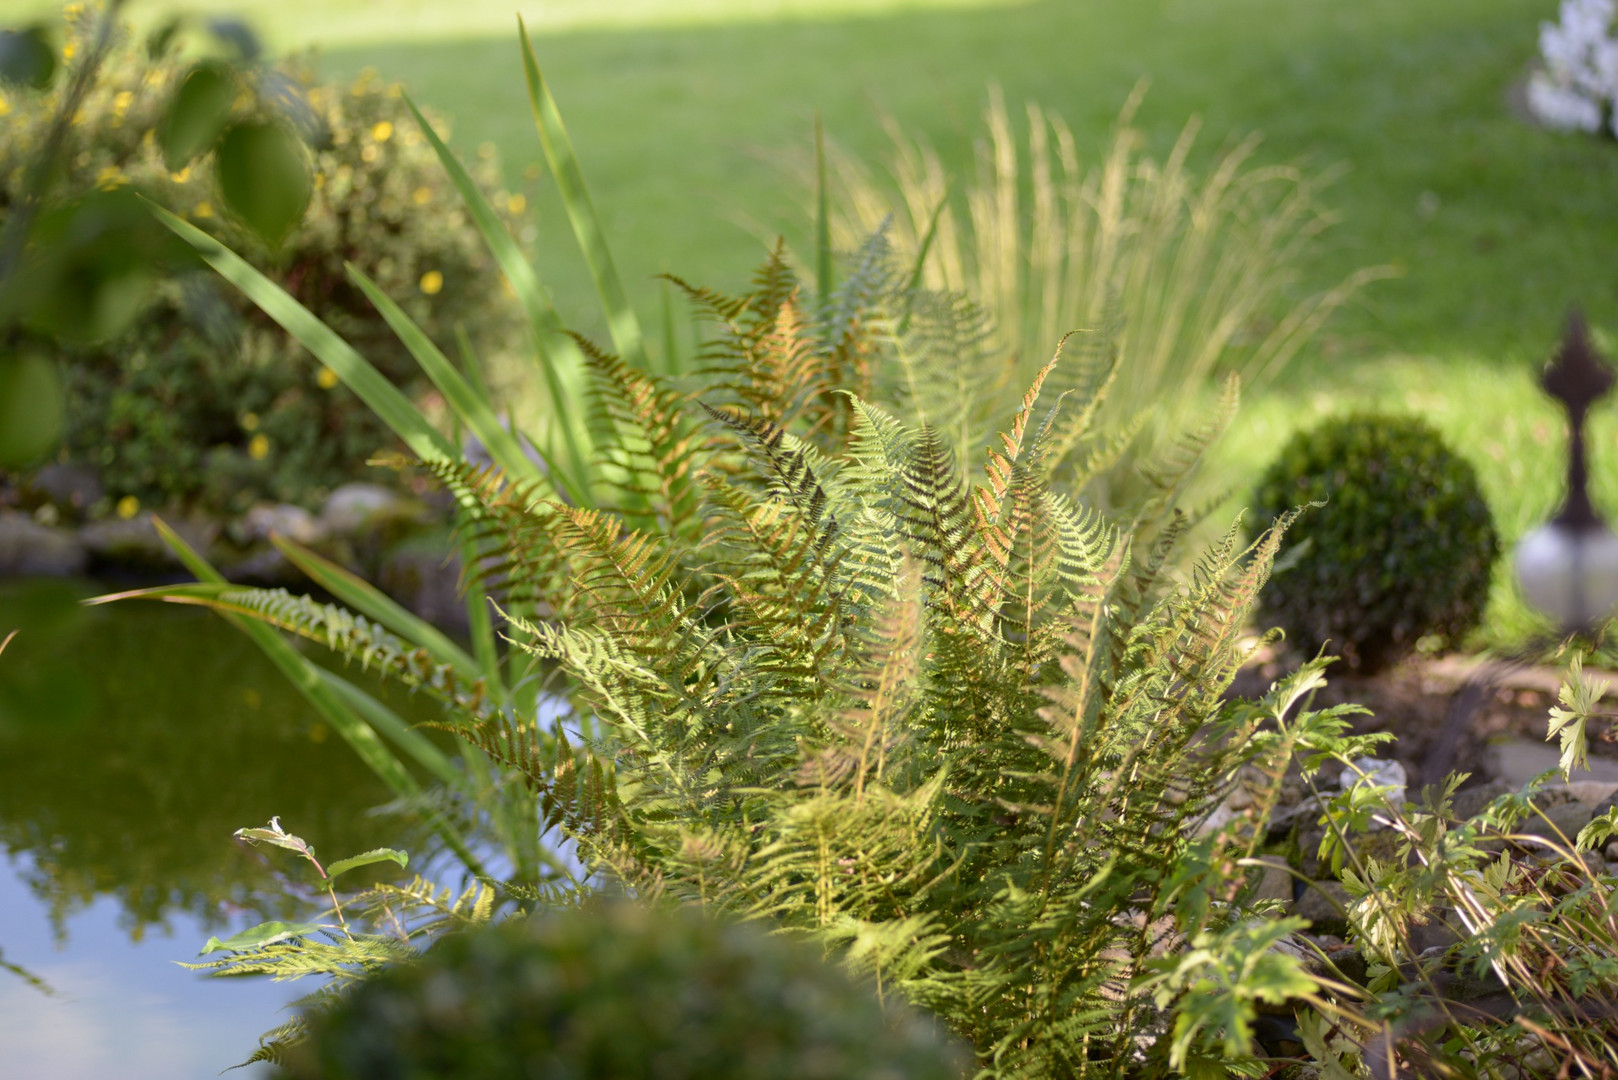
x=622 y=990
x=1400 y=547
x=201 y=399
x=1527 y=986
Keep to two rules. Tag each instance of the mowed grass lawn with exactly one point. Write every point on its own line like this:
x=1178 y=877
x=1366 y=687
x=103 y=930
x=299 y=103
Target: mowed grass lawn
x=686 y=111
x=688 y=116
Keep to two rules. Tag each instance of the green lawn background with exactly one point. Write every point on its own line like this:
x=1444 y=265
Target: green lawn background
x=684 y=114
x=687 y=117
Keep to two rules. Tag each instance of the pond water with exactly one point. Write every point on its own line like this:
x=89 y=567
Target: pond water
x=134 y=739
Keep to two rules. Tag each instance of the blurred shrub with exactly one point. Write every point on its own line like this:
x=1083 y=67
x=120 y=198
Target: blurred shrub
x=1402 y=548
x=622 y=991
x=202 y=399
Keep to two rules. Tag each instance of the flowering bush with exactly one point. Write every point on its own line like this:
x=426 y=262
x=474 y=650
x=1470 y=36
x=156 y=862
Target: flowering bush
x=1578 y=88
x=202 y=400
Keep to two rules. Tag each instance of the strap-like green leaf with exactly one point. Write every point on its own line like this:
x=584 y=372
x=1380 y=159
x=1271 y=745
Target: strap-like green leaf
x=559 y=357
x=383 y=398
x=474 y=411
x=621 y=321
x=334 y=699
x=823 y=252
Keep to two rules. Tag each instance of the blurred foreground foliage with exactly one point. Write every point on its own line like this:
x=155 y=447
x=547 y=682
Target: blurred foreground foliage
x=174 y=390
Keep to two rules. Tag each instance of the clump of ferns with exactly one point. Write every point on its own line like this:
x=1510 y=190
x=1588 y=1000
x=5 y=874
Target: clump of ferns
x=963 y=734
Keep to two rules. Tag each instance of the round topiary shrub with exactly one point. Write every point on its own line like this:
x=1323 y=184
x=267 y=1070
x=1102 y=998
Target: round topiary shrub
x=618 y=992
x=1401 y=550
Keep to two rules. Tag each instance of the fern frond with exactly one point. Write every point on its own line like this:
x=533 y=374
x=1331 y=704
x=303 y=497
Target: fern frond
x=651 y=456
x=356 y=638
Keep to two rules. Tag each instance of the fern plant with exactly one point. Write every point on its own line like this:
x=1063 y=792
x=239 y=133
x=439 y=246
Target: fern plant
x=964 y=734
x=967 y=735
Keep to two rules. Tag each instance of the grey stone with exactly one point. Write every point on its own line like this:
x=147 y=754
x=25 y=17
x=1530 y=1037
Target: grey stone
x=1565 y=818
x=1469 y=802
x=1517 y=761
x=283 y=519
x=1273 y=881
x=425 y=582
x=69 y=487
x=1599 y=795
x=134 y=542
x=29 y=549
x=360 y=507
x=1324 y=904
x=1438 y=932
x=1377 y=772
x=262 y=565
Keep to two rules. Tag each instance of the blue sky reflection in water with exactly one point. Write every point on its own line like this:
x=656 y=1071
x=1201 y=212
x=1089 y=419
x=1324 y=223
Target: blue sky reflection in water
x=134 y=739
x=120 y=1008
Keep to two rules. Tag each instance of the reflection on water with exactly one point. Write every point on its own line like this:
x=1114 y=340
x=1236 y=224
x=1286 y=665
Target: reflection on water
x=120 y=1008
x=133 y=740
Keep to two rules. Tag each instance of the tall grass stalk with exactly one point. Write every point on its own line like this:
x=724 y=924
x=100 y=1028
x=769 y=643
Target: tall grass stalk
x=1192 y=275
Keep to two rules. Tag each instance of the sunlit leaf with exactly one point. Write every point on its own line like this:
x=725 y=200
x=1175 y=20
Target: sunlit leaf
x=369 y=858
x=264 y=177
x=255 y=937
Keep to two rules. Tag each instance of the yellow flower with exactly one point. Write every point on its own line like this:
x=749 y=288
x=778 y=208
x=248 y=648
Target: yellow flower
x=258 y=447
x=486 y=150
x=326 y=379
x=182 y=176
x=421 y=196
x=382 y=131
x=202 y=210
x=128 y=507
x=320 y=181
x=110 y=177
x=368 y=153
x=5 y=106
x=121 y=101
x=249 y=421
x=68 y=50
x=431 y=282
x=516 y=205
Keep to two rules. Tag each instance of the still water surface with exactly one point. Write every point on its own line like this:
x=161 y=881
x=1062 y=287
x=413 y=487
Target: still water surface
x=134 y=739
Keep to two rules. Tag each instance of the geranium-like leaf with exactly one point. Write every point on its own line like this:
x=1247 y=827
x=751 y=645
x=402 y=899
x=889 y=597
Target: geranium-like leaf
x=369 y=858
x=263 y=174
x=255 y=937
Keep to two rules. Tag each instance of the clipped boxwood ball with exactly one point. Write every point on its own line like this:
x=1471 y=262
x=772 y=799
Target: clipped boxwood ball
x=622 y=991
x=1401 y=550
